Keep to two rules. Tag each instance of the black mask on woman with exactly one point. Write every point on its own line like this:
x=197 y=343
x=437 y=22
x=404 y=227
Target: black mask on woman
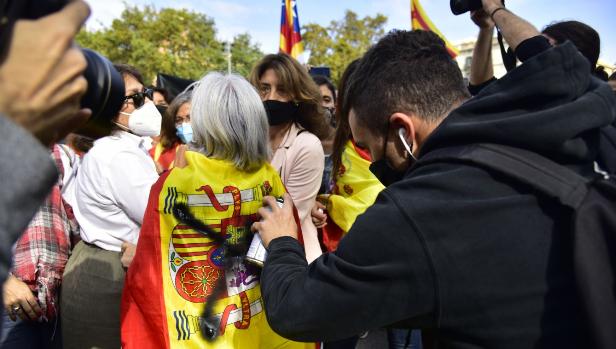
x=279 y=113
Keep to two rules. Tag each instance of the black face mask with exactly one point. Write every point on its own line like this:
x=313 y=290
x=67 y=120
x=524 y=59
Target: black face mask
x=279 y=113
x=385 y=173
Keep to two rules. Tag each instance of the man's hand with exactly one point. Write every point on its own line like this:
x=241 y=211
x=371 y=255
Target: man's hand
x=19 y=300
x=41 y=79
x=482 y=19
x=491 y=5
x=128 y=253
x=277 y=222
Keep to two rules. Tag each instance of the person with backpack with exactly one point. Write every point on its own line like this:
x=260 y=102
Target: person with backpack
x=473 y=255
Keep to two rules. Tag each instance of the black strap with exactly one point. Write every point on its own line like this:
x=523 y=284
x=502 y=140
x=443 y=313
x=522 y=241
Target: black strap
x=527 y=167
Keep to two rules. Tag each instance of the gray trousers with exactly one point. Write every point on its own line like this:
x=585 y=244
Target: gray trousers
x=90 y=298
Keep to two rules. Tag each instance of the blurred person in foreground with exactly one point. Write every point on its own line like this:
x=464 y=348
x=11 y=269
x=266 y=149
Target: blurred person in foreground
x=473 y=258
x=111 y=193
x=223 y=182
x=293 y=104
x=41 y=86
x=31 y=316
x=175 y=131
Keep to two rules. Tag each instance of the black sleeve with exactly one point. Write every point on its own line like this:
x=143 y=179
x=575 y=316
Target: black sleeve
x=532 y=47
x=475 y=89
x=379 y=275
x=28 y=173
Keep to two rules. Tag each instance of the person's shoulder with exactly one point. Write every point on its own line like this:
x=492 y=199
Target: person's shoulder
x=307 y=143
x=306 y=137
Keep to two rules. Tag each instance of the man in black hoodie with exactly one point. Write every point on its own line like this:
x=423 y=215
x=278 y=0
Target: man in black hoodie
x=473 y=258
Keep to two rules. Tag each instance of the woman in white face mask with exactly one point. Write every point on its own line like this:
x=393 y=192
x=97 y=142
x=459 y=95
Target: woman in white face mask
x=111 y=191
x=176 y=130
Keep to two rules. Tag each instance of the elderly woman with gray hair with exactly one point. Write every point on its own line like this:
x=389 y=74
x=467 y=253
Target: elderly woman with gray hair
x=177 y=272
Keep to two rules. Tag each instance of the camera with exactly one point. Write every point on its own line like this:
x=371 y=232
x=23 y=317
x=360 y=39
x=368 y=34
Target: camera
x=459 y=7
x=105 y=94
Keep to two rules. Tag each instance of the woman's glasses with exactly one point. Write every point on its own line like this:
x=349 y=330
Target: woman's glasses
x=139 y=97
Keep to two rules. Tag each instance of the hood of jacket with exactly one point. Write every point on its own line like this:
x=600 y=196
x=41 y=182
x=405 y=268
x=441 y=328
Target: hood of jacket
x=550 y=105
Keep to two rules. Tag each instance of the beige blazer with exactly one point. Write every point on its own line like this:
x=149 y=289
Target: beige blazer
x=299 y=160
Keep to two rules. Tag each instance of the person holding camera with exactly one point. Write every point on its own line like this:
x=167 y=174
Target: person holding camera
x=111 y=192
x=41 y=86
x=471 y=257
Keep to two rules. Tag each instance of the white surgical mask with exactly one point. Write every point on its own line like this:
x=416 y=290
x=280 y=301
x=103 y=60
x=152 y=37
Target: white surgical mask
x=145 y=121
x=185 y=132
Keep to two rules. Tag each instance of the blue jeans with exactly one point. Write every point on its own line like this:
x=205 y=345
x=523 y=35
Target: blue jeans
x=22 y=334
x=403 y=339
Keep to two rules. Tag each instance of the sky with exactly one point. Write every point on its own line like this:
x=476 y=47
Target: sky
x=261 y=18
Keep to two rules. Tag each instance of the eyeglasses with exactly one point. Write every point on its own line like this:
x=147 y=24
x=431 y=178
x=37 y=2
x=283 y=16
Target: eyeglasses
x=139 y=97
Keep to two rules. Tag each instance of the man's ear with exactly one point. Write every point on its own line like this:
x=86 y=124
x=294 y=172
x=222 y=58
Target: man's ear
x=404 y=122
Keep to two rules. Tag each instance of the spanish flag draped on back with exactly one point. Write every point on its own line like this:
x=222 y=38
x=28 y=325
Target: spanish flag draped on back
x=290 y=36
x=175 y=268
x=419 y=20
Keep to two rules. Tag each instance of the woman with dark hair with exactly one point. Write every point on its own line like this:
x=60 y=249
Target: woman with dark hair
x=296 y=125
x=175 y=131
x=111 y=191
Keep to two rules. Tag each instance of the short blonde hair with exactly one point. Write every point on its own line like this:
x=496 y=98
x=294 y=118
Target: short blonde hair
x=229 y=121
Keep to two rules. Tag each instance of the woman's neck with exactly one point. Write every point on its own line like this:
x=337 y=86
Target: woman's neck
x=277 y=134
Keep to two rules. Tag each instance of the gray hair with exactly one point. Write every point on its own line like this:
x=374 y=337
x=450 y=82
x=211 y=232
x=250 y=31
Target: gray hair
x=229 y=121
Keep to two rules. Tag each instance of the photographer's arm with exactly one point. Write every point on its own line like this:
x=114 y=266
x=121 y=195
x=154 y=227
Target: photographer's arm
x=515 y=30
x=481 y=65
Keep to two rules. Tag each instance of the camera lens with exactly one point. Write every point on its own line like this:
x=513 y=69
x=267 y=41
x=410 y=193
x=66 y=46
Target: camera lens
x=105 y=95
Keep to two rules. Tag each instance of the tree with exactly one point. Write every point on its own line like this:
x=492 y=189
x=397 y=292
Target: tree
x=172 y=41
x=342 y=41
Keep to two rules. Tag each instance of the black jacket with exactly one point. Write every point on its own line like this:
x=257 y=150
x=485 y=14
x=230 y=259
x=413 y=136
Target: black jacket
x=480 y=260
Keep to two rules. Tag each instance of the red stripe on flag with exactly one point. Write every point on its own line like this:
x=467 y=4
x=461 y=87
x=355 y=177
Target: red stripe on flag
x=192 y=254
x=187 y=236
x=146 y=327
x=207 y=244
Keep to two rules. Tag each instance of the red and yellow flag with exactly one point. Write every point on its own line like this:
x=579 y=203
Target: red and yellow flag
x=290 y=36
x=419 y=20
x=355 y=190
x=176 y=268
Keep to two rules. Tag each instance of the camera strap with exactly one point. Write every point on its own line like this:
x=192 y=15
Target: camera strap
x=509 y=59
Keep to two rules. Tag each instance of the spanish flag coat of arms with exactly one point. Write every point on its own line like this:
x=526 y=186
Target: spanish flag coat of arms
x=176 y=268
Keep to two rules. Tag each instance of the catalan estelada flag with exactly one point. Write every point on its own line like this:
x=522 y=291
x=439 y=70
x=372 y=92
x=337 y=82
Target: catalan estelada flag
x=290 y=36
x=175 y=268
x=419 y=20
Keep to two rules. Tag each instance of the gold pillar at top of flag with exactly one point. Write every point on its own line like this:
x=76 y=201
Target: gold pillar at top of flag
x=420 y=20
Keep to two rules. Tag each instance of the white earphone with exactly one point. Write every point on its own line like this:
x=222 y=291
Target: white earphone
x=402 y=135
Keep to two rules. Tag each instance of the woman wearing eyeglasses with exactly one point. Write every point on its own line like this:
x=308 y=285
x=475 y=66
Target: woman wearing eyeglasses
x=111 y=192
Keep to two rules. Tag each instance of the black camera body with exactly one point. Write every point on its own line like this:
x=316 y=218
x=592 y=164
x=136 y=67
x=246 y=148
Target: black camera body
x=105 y=94
x=459 y=7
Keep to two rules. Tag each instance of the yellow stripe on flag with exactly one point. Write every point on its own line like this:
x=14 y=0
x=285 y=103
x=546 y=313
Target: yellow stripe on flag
x=420 y=20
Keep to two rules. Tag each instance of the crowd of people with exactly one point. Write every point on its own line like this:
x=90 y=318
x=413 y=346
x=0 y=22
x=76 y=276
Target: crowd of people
x=139 y=239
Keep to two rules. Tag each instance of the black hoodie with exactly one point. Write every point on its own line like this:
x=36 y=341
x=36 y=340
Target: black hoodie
x=479 y=261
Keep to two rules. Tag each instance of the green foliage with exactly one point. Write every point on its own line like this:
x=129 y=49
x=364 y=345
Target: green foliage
x=342 y=41
x=172 y=41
